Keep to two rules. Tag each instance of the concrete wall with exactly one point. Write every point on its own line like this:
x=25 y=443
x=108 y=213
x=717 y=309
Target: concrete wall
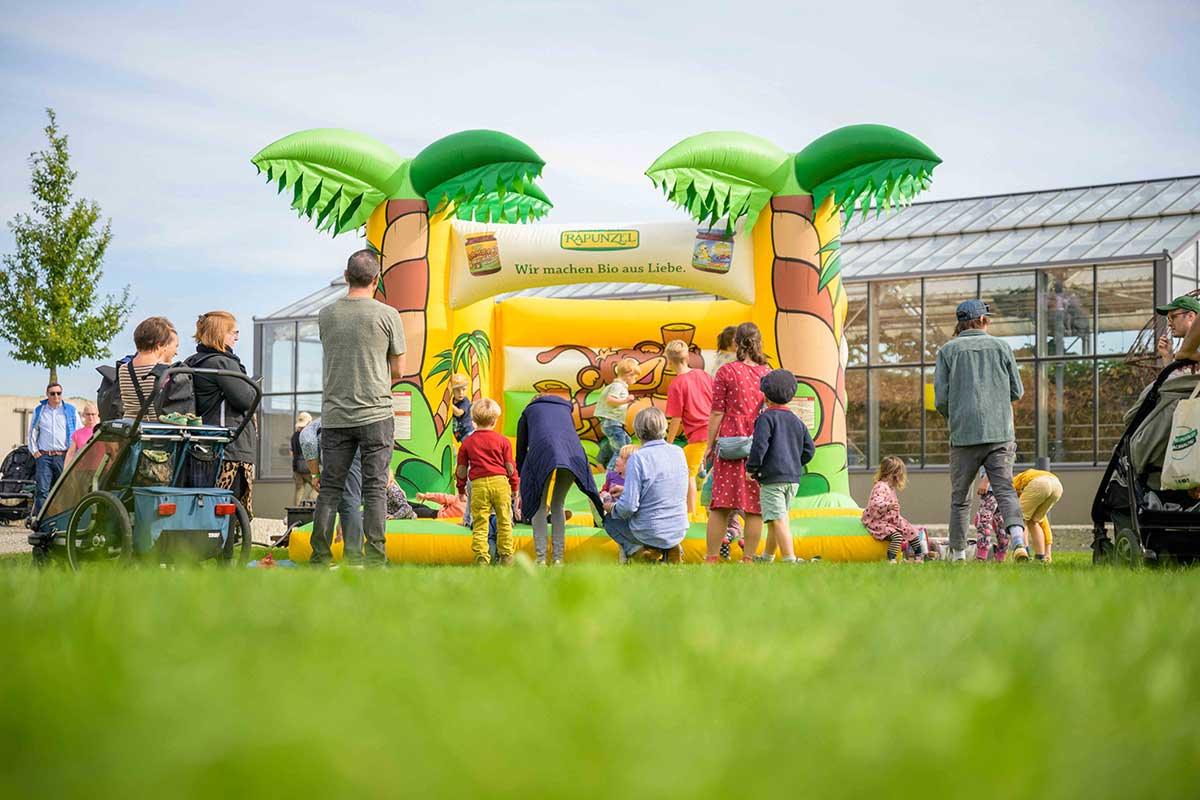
x=926 y=501
x=271 y=496
x=15 y=415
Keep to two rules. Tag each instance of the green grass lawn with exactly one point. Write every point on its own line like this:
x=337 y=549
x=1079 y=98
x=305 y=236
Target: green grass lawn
x=599 y=681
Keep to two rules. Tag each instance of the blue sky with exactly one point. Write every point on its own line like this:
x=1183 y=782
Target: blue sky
x=166 y=102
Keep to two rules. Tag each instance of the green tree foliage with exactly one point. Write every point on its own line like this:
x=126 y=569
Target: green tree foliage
x=50 y=310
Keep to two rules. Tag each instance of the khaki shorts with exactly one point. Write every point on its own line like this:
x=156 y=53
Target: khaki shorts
x=776 y=500
x=1039 y=497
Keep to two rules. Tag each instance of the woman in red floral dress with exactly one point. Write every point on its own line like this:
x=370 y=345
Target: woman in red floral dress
x=737 y=403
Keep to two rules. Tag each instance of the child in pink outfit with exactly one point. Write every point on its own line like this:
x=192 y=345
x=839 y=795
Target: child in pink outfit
x=882 y=517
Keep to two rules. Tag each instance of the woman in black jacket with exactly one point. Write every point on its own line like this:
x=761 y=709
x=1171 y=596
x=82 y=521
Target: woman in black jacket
x=225 y=401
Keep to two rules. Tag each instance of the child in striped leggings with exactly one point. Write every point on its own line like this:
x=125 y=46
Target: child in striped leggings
x=882 y=517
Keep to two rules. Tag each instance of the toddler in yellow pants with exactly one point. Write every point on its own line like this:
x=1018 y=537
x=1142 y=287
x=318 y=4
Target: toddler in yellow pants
x=486 y=458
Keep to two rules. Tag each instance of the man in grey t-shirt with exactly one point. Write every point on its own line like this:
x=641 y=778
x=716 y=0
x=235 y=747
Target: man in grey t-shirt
x=363 y=343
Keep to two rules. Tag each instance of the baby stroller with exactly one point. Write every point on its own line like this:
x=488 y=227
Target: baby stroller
x=1148 y=524
x=16 y=485
x=145 y=491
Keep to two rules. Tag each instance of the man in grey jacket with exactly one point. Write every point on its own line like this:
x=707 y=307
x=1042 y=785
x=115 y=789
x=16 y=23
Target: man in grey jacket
x=975 y=384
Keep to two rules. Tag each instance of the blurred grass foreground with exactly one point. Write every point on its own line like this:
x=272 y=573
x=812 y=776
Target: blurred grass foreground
x=850 y=680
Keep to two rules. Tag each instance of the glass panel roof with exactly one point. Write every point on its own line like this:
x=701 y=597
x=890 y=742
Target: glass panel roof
x=1144 y=241
x=1045 y=253
x=1078 y=205
x=1117 y=239
x=950 y=220
x=1168 y=196
x=1019 y=253
x=1056 y=205
x=968 y=221
x=998 y=213
x=1107 y=203
x=907 y=221
x=1175 y=239
x=1189 y=202
x=1092 y=235
x=997 y=252
x=1132 y=204
x=1017 y=215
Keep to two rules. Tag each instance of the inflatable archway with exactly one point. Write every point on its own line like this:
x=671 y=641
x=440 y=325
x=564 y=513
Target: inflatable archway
x=763 y=234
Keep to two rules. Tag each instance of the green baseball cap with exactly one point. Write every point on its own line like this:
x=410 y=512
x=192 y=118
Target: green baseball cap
x=1185 y=302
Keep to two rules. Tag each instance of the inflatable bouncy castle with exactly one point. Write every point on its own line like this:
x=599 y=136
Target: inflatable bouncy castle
x=762 y=237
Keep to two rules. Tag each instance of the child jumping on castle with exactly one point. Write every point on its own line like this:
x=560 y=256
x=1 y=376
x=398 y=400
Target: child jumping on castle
x=882 y=517
x=486 y=459
x=612 y=406
x=782 y=446
x=460 y=407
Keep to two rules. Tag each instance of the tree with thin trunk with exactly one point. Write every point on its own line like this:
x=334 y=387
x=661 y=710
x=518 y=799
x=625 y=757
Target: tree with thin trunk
x=51 y=311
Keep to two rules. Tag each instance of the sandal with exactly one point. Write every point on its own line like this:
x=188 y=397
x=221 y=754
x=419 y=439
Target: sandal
x=174 y=418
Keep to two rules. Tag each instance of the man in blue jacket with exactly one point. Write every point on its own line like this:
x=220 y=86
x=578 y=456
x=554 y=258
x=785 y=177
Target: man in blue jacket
x=49 y=437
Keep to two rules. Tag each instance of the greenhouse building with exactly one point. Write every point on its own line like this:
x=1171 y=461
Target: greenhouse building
x=1072 y=277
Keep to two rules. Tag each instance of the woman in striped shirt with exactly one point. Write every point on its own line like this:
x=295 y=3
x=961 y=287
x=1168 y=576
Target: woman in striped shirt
x=156 y=342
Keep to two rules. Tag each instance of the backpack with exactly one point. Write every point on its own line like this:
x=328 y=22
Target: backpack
x=19 y=465
x=176 y=395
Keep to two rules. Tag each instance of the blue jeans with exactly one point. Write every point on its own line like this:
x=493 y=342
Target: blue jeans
x=617 y=437
x=618 y=530
x=46 y=472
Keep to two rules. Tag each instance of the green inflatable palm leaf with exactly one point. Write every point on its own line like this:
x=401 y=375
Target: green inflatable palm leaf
x=514 y=206
x=337 y=177
x=865 y=165
x=721 y=174
x=464 y=169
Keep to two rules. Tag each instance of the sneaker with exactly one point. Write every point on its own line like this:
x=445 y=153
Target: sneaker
x=506 y=561
x=540 y=562
x=1019 y=553
x=981 y=551
x=558 y=562
x=958 y=555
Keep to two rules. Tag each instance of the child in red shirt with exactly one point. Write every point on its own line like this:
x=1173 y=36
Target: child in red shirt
x=486 y=458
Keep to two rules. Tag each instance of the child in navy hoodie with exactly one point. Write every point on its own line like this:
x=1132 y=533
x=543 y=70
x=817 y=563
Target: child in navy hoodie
x=781 y=448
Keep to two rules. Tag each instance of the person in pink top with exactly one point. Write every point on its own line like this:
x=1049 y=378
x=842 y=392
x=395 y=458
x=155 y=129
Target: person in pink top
x=882 y=517
x=737 y=402
x=689 y=405
x=89 y=418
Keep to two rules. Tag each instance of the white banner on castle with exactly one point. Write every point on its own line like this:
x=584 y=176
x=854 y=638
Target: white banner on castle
x=486 y=260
